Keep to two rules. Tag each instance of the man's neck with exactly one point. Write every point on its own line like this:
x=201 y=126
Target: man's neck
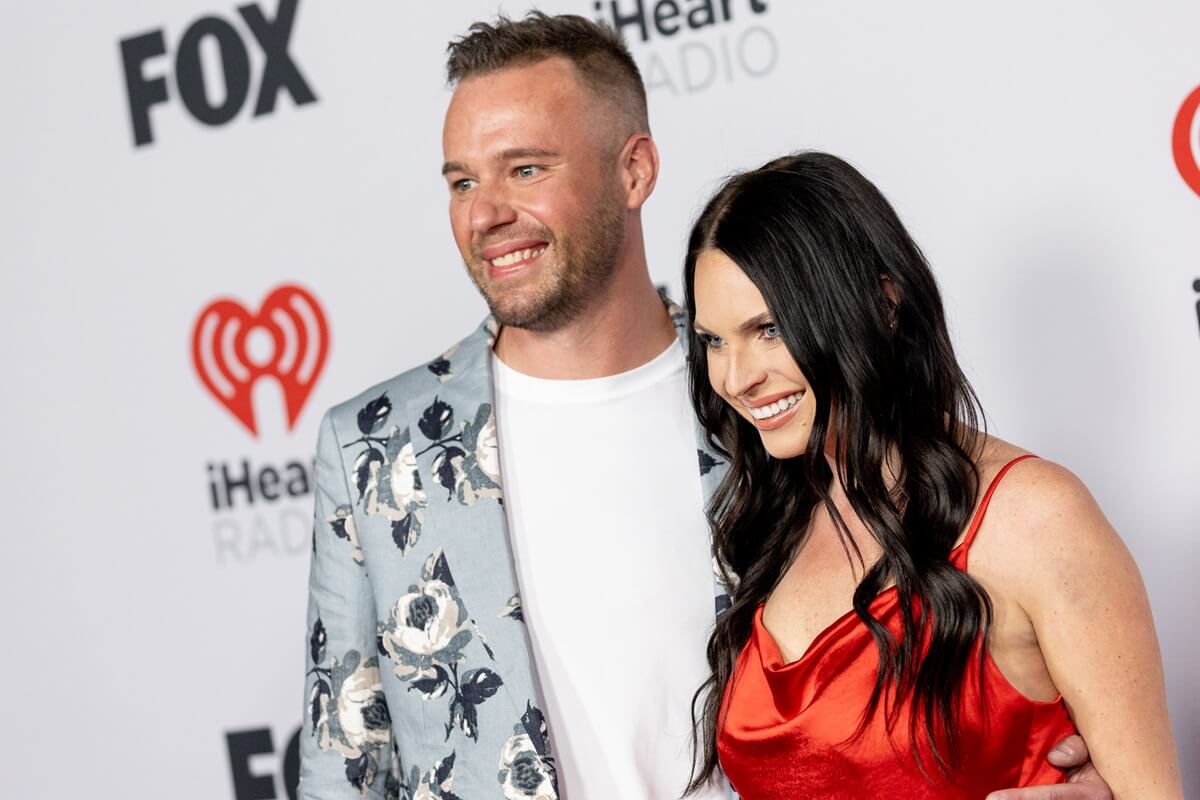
x=626 y=327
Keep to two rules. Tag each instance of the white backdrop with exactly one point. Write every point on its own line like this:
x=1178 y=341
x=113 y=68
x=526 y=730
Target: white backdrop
x=1028 y=146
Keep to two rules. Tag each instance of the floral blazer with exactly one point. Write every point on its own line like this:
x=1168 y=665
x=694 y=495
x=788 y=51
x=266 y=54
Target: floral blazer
x=420 y=682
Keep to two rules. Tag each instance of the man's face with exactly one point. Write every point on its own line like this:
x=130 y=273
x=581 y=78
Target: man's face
x=535 y=203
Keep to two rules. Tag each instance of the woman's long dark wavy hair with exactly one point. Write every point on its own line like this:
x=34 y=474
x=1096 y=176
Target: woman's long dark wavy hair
x=822 y=244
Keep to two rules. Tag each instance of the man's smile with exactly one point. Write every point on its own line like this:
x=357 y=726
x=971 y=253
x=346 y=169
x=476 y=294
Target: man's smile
x=508 y=259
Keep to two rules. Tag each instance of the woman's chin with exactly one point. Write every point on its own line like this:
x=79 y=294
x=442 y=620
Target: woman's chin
x=781 y=447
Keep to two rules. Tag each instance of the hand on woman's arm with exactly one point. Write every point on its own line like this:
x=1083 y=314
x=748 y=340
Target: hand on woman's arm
x=1084 y=783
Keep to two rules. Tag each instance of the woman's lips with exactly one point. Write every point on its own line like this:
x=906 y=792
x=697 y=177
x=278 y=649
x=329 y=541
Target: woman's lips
x=783 y=406
x=777 y=421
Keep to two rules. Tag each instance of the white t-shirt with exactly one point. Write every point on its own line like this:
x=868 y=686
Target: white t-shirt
x=605 y=511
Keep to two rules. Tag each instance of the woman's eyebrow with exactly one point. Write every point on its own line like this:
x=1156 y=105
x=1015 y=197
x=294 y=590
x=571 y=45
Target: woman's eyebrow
x=754 y=323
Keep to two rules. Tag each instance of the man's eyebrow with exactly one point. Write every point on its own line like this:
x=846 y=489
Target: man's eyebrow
x=452 y=166
x=514 y=153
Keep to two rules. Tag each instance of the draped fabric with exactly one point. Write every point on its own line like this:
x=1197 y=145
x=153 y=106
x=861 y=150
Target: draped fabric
x=791 y=730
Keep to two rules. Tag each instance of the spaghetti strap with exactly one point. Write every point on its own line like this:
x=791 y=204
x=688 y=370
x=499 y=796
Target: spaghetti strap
x=977 y=520
x=796 y=728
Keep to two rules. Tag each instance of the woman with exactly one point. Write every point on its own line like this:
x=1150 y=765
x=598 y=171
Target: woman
x=859 y=480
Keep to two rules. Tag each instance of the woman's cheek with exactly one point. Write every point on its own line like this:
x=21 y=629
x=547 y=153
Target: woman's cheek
x=716 y=378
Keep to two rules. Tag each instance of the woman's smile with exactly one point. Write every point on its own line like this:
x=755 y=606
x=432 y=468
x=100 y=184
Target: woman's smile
x=773 y=412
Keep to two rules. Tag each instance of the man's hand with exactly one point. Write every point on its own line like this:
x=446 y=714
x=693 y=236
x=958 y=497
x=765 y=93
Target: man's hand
x=1083 y=781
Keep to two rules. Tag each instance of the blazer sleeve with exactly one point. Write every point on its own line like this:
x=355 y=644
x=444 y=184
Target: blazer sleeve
x=345 y=745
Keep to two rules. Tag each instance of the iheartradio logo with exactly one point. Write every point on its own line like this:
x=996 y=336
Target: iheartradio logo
x=1185 y=140
x=286 y=339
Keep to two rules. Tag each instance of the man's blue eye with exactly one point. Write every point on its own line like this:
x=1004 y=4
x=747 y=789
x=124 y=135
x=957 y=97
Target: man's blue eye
x=463 y=184
x=527 y=171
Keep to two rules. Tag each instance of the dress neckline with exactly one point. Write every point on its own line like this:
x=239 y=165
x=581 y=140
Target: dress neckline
x=957 y=556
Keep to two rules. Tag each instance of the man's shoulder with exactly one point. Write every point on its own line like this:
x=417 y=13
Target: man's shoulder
x=426 y=378
x=389 y=392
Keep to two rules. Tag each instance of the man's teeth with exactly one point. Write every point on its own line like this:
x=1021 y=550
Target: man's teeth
x=771 y=409
x=508 y=259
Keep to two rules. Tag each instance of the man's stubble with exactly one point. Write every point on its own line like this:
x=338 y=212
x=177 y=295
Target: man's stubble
x=585 y=262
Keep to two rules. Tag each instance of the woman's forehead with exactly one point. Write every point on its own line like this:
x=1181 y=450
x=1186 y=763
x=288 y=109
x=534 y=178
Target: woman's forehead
x=725 y=295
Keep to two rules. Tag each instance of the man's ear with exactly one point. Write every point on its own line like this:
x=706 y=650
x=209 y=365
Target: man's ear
x=638 y=168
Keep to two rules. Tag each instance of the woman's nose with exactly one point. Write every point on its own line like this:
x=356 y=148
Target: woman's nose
x=743 y=375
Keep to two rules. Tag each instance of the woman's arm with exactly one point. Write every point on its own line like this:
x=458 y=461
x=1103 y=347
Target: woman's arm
x=1074 y=578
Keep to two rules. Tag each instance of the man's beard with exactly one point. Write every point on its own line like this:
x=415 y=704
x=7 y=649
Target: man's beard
x=584 y=264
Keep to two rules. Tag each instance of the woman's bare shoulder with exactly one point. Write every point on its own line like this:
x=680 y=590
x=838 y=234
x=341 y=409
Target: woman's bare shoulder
x=1041 y=518
x=1035 y=491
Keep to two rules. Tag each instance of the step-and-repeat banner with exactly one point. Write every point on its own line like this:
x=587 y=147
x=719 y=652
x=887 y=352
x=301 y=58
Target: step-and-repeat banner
x=220 y=219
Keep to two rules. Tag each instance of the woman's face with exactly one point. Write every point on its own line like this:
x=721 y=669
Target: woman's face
x=748 y=364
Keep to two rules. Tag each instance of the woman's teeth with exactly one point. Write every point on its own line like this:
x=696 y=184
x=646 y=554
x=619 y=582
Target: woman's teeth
x=508 y=259
x=779 y=406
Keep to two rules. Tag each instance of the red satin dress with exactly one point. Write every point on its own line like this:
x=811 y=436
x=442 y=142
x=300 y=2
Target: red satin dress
x=789 y=728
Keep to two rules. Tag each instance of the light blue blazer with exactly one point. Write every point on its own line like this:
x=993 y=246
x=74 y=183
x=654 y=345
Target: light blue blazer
x=419 y=681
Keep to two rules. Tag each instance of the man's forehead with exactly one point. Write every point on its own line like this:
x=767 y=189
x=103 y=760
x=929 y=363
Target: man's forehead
x=502 y=133
x=513 y=108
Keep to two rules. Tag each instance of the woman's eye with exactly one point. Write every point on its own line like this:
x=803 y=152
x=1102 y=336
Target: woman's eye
x=770 y=331
x=709 y=341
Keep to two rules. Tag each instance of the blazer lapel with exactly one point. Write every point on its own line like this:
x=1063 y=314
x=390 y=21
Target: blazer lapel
x=712 y=466
x=455 y=442
x=712 y=471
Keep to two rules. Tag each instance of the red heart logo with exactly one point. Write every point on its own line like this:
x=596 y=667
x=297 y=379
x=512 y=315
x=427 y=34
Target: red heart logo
x=286 y=340
x=1184 y=144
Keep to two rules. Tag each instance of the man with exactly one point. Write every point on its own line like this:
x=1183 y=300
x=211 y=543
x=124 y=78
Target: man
x=545 y=642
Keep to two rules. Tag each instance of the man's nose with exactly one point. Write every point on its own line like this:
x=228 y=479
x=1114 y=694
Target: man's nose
x=490 y=209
